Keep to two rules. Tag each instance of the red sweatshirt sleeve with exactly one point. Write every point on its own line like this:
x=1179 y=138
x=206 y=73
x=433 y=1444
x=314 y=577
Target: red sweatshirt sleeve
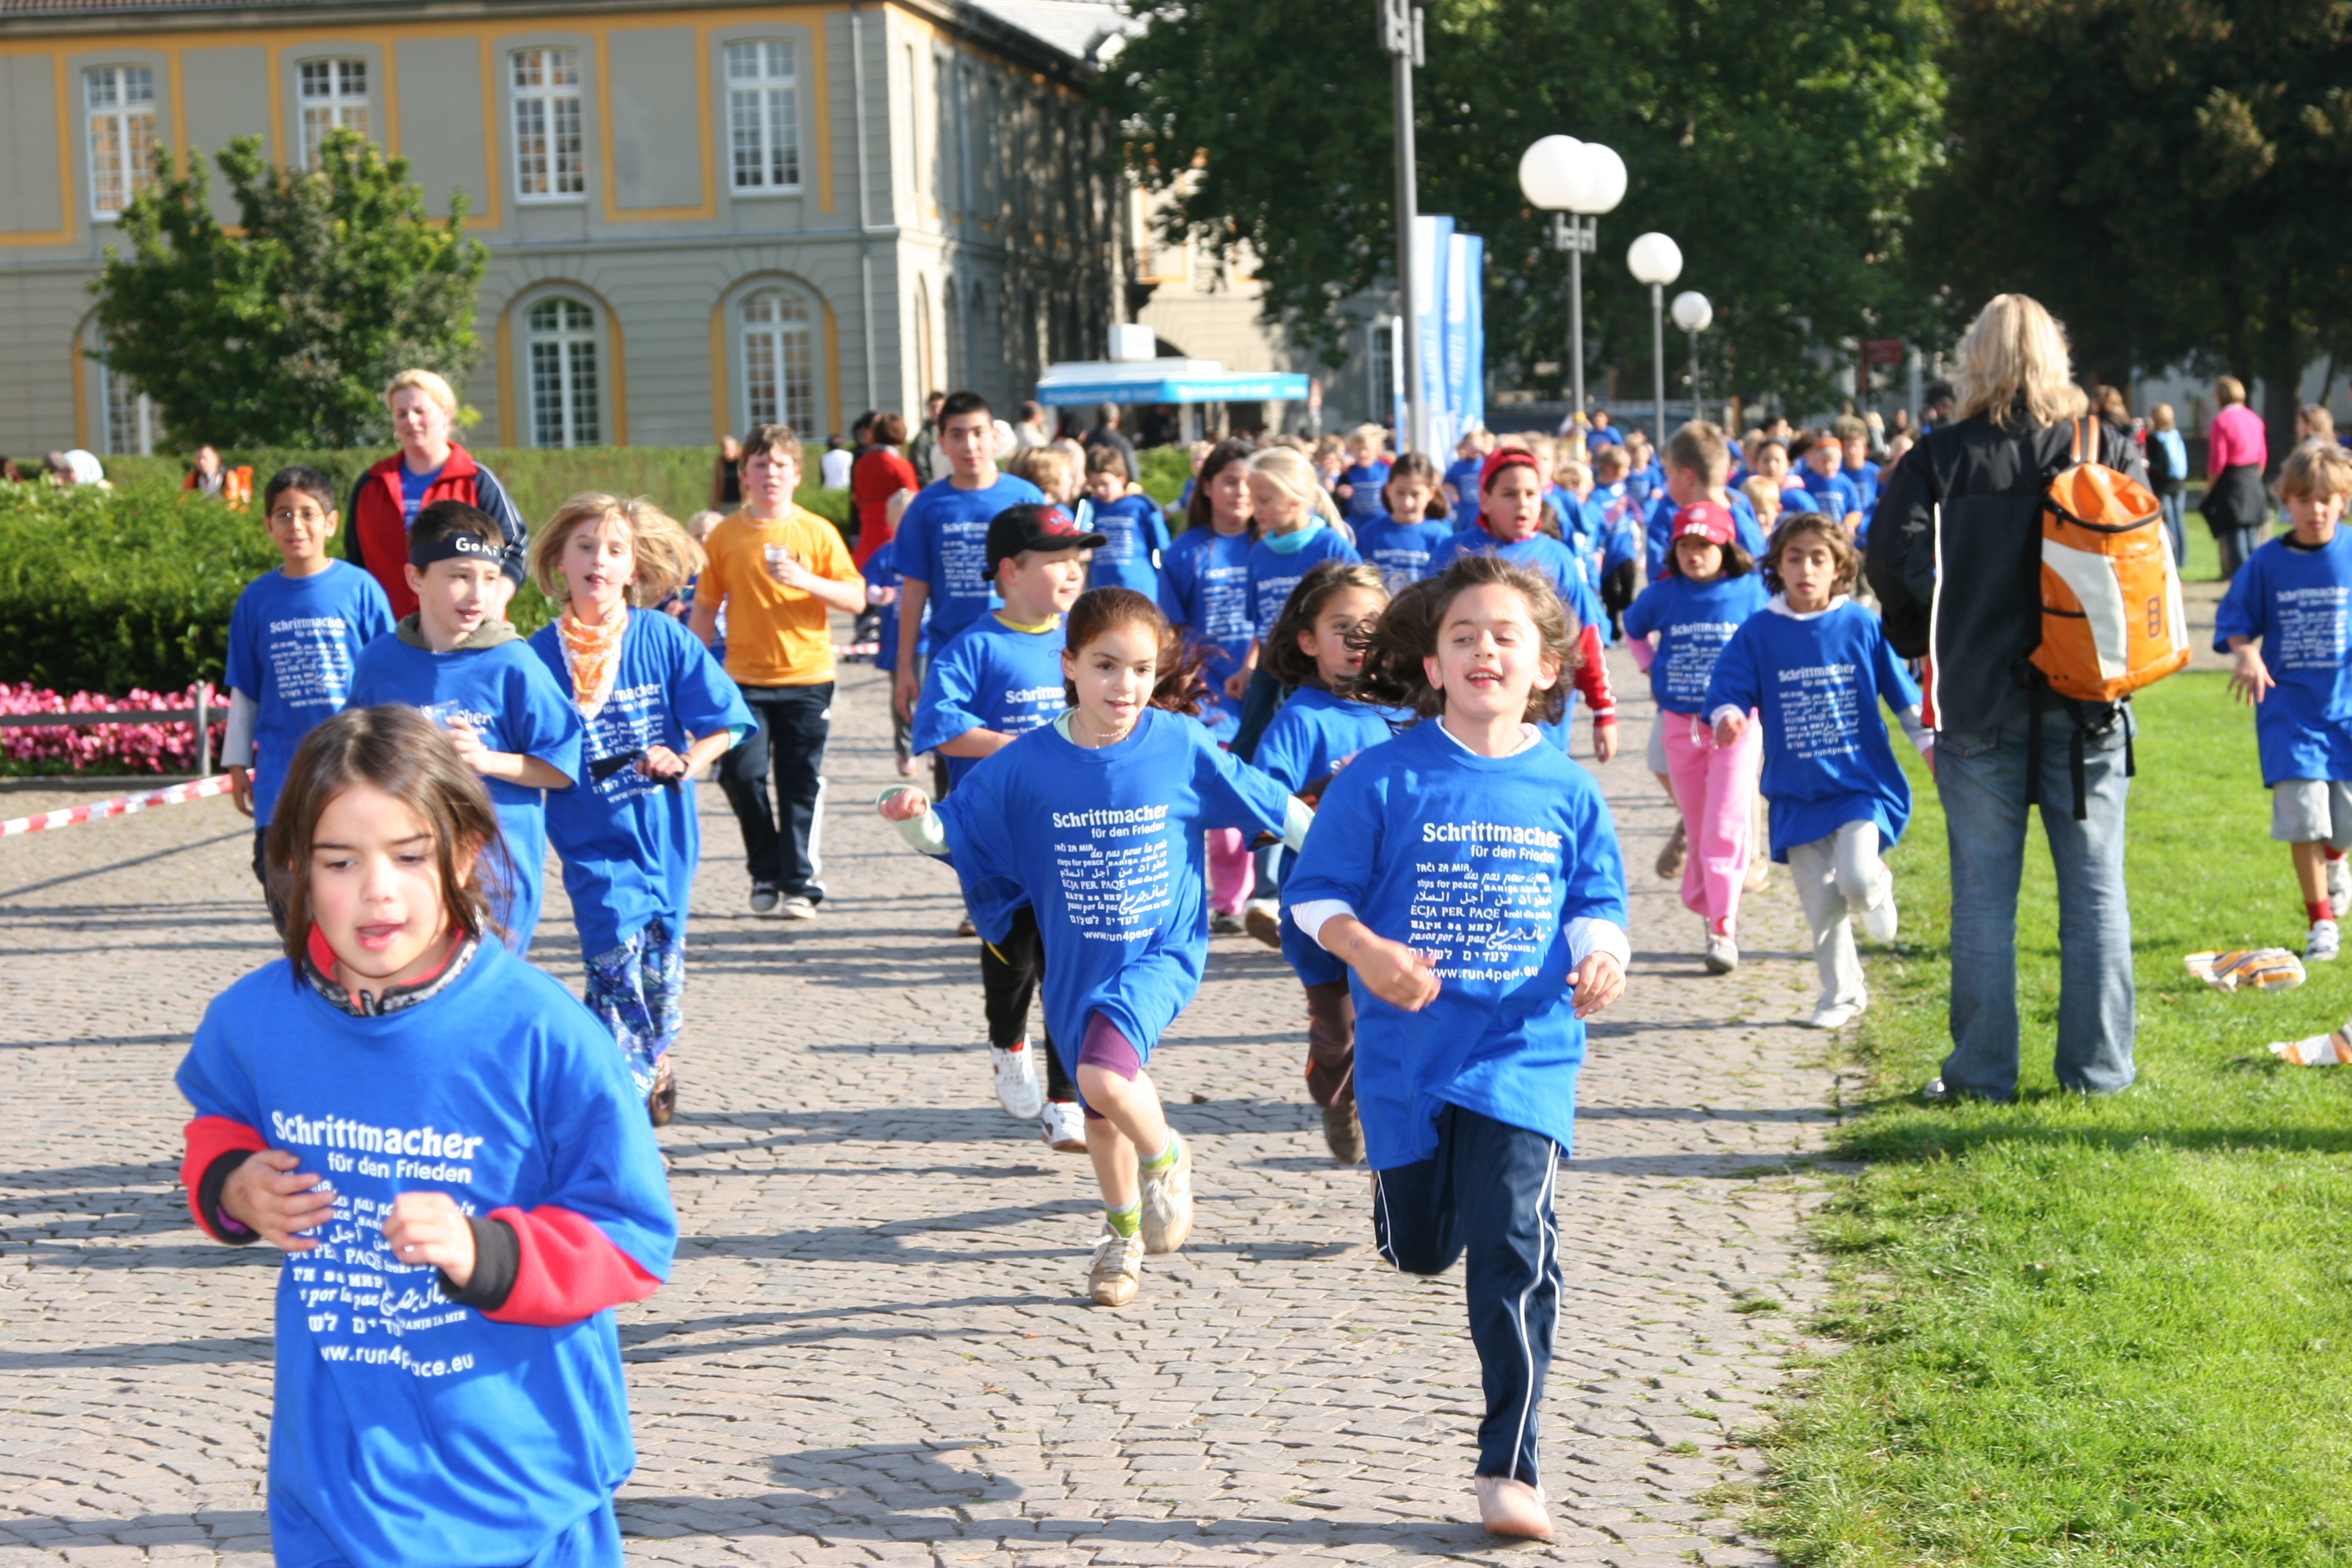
x=209 y=1138
x=567 y=1270
x=1592 y=677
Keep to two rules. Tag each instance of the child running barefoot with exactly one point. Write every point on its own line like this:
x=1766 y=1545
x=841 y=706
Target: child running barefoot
x=658 y=710
x=1317 y=648
x=1467 y=873
x=1707 y=593
x=1813 y=665
x=447 y=1150
x=1097 y=821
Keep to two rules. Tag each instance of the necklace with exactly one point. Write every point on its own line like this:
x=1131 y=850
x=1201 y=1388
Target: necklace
x=1078 y=722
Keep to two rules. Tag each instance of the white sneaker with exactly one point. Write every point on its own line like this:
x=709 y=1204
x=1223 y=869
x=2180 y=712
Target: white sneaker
x=1167 y=1201
x=1017 y=1089
x=2339 y=888
x=1722 y=953
x=2324 y=943
x=1835 y=1014
x=1063 y=1127
x=798 y=909
x=1118 y=1270
x=1878 y=921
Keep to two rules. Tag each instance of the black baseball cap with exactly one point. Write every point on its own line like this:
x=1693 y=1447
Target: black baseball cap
x=1030 y=526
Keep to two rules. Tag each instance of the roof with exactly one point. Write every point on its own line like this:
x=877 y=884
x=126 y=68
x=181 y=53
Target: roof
x=1078 y=29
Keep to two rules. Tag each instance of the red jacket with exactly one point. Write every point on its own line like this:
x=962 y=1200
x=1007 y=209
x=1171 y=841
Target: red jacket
x=376 y=534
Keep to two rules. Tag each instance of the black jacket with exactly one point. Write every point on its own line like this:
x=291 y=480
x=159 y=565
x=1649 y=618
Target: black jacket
x=1956 y=558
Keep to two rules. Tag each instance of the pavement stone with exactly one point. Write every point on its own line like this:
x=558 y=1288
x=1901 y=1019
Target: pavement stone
x=875 y=1347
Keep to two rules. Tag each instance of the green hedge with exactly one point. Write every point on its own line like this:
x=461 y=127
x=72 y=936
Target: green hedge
x=1165 y=469
x=107 y=590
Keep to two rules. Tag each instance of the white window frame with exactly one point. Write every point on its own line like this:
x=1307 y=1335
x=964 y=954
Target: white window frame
x=550 y=111
x=338 y=103
x=763 y=101
x=779 y=356
x=119 y=404
x=125 y=118
x=568 y=346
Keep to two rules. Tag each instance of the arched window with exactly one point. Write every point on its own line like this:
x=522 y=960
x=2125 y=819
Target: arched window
x=334 y=97
x=564 y=406
x=763 y=116
x=779 y=360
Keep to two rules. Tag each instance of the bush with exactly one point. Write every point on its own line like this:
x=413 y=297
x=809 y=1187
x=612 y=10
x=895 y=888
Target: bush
x=1165 y=469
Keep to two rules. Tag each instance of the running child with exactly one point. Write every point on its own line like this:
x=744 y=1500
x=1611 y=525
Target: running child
x=1204 y=593
x=1297 y=527
x=466 y=667
x=293 y=640
x=2290 y=597
x=1698 y=466
x=1317 y=648
x=881 y=575
x=1618 y=526
x=1708 y=591
x=1096 y=821
x=1462 y=477
x=658 y=710
x=1359 y=484
x=1468 y=876
x=447 y=1150
x=1135 y=533
x=1813 y=666
x=996 y=680
x=1403 y=540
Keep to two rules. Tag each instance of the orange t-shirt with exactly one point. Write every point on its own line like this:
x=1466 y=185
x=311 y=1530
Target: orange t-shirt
x=775 y=636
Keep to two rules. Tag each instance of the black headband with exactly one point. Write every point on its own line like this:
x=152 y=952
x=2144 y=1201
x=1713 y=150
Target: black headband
x=462 y=547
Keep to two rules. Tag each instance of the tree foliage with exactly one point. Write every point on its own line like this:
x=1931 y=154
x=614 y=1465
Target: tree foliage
x=2165 y=174
x=1775 y=140
x=283 y=331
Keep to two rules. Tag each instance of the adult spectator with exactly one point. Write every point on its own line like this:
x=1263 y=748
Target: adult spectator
x=833 y=469
x=1970 y=493
x=875 y=477
x=2167 y=477
x=211 y=477
x=777 y=570
x=76 y=467
x=1107 y=433
x=1030 y=429
x=923 y=452
x=1936 y=405
x=1603 y=433
x=2237 y=450
x=429 y=466
x=727 y=476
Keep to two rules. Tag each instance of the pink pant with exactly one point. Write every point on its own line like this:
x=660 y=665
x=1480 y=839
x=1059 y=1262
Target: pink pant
x=1716 y=790
x=1232 y=874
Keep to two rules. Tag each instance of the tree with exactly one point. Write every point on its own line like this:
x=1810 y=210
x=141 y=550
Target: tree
x=2161 y=175
x=1775 y=140
x=284 y=331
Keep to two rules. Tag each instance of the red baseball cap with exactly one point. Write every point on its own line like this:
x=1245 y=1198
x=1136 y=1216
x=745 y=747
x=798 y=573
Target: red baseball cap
x=1503 y=457
x=1705 y=519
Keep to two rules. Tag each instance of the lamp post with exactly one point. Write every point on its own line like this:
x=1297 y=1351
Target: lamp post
x=1656 y=260
x=1400 y=36
x=1693 y=315
x=1575 y=182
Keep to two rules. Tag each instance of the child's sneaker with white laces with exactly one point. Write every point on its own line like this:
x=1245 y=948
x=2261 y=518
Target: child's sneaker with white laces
x=1017 y=1089
x=2324 y=943
x=1118 y=1270
x=1166 y=1196
x=1063 y=1127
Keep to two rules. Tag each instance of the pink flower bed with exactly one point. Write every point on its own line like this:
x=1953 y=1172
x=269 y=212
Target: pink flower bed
x=160 y=748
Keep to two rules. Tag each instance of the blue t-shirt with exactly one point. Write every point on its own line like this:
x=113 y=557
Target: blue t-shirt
x=1404 y=551
x=1797 y=498
x=1647 y=482
x=293 y=643
x=1538 y=553
x=1313 y=733
x=989 y=676
x=1606 y=436
x=1745 y=529
x=1481 y=863
x=1864 y=480
x=1108 y=846
x=1204 y=593
x=942 y=541
x=515 y=706
x=1815 y=684
x=1834 y=492
x=1139 y=537
x=409 y=1430
x=1363 y=500
x=881 y=571
x=1274 y=572
x=412 y=492
x=2298 y=604
x=1463 y=475
x=1617 y=524
x=1694 y=621
x=629 y=844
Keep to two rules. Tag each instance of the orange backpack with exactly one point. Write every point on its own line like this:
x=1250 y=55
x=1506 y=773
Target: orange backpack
x=2111 y=612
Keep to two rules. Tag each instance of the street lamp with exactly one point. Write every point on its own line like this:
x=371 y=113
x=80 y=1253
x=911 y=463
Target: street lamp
x=1563 y=176
x=1656 y=260
x=1693 y=315
x=1402 y=37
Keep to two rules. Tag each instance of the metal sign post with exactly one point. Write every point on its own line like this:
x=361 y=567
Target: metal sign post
x=1400 y=36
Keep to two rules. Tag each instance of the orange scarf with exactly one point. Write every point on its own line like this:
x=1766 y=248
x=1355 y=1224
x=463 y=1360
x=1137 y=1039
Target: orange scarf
x=592 y=655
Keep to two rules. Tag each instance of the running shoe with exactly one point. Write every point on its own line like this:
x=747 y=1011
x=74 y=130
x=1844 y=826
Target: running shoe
x=1017 y=1089
x=661 y=1104
x=1343 y=1131
x=2324 y=943
x=1224 y=922
x=1722 y=952
x=763 y=897
x=1263 y=920
x=1063 y=1127
x=1834 y=1015
x=1878 y=921
x=1512 y=1508
x=1670 y=858
x=1118 y=1270
x=797 y=908
x=1167 y=1201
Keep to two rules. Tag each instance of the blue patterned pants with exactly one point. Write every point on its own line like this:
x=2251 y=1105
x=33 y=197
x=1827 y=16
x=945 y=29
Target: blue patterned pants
x=637 y=989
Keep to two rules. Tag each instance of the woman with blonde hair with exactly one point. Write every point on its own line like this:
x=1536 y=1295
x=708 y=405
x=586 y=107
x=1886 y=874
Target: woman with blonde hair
x=1955 y=558
x=429 y=466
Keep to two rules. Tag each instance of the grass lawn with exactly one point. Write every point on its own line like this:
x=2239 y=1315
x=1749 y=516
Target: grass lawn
x=2114 y=1330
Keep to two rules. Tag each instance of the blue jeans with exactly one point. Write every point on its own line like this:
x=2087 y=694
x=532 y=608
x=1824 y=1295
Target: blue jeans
x=2176 y=508
x=1981 y=776
x=2238 y=546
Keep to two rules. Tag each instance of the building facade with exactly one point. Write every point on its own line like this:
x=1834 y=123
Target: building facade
x=696 y=217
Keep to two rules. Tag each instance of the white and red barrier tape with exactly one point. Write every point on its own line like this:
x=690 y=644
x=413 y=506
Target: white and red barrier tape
x=121 y=805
